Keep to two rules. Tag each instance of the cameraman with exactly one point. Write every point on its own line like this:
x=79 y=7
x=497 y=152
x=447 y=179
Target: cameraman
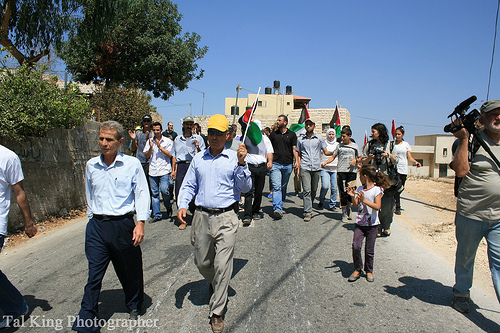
x=478 y=209
x=377 y=152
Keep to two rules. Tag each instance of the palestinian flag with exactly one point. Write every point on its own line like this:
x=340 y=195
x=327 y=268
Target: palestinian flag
x=253 y=140
x=366 y=139
x=335 y=122
x=299 y=128
x=393 y=130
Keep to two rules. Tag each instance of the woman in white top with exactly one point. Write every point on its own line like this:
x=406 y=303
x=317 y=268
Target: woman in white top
x=402 y=150
x=329 y=173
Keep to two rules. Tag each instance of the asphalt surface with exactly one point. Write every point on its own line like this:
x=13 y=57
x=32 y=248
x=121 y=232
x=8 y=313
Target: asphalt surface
x=289 y=276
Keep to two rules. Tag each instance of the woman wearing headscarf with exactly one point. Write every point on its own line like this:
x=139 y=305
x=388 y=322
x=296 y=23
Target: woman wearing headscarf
x=329 y=173
x=377 y=152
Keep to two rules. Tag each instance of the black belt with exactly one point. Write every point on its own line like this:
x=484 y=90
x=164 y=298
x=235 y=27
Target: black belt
x=183 y=162
x=257 y=165
x=215 y=211
x=114 y=217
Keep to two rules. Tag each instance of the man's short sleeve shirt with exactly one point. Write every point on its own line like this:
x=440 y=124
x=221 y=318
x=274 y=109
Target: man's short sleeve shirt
x=479 y=192
x=11 y=173
x=283 y=144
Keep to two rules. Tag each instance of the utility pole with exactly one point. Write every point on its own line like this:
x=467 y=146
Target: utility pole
x=238 y=88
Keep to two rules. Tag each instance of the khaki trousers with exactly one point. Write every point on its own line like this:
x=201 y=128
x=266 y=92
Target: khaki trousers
x=213 y=238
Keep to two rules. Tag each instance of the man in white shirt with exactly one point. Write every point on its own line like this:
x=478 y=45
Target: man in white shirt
x=157 y=151
x=12 y=302
x=259 y=160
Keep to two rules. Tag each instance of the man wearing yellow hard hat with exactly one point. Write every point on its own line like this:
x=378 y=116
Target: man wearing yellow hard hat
x=215 y=178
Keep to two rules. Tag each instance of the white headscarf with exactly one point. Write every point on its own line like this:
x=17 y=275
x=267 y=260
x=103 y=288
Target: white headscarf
x=328 y=132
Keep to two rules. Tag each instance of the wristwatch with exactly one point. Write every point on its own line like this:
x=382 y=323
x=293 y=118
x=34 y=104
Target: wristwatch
x=242 y=165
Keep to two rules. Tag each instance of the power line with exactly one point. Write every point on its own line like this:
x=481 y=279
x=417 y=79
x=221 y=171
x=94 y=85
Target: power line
x=404 y=123
x=493 y=52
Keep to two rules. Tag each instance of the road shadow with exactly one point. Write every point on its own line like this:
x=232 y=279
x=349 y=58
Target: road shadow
x=33 y=303
x=266 y=293
x=343 y=267
x=113 y=301
x=433 y=292
x=429 y=205
x=197 y=291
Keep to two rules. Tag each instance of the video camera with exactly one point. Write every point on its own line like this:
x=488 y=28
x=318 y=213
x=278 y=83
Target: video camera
x=377 y=152
x=468 y=119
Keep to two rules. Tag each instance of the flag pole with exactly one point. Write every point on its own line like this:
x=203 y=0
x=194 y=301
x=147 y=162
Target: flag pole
x=251 y=115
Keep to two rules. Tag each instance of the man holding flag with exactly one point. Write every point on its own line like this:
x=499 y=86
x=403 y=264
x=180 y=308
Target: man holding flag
x=259 y=159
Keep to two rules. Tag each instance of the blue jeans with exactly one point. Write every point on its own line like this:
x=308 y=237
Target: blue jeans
x=160 y=184
x=12 y=302
x=280 y=174
x=469 y=233
x=328 y=181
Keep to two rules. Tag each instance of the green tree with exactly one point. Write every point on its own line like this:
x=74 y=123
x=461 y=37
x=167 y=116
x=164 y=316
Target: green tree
x=143 y=47
x=31 y=104
x=31 y=28
x=127 y=106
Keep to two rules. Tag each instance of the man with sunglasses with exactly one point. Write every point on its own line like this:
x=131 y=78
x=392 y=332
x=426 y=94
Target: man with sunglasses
x=215 y=178
x=185 y=147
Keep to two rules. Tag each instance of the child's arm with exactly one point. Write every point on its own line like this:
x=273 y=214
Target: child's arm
x=373 y=205
x=355 y=198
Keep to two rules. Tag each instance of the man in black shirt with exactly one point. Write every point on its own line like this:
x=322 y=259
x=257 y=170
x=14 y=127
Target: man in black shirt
x=284 y=143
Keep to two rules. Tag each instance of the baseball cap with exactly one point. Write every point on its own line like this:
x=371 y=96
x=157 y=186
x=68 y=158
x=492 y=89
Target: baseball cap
x=309 y=119
x=218 y=122
x=147 y=118
x=490 y=105
x=188 y=119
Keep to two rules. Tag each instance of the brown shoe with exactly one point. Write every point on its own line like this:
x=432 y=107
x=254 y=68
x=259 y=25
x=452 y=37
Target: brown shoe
x=182 y=226
x=307 y=218
x=217 y=323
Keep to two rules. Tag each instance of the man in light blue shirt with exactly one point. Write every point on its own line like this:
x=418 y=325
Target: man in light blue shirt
x=116 y=189
x=185 y=147
x=216 y=177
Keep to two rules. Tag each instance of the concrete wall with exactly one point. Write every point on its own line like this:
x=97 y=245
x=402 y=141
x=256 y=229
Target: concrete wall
x=54 y=170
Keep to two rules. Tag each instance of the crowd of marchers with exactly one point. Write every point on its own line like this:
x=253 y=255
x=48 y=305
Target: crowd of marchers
x=216 y=175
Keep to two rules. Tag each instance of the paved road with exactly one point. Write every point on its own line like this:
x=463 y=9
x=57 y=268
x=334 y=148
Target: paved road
x=290 y=276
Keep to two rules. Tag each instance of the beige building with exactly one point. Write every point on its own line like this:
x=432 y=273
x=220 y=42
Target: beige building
x=271 y=105
x=435 y=154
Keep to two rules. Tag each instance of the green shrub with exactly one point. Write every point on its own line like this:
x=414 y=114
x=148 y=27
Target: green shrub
x=31 y=105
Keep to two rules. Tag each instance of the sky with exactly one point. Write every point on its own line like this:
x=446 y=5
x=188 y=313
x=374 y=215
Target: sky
x=413 y=61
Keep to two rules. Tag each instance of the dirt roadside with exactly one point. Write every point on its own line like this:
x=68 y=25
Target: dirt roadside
x=437 y=234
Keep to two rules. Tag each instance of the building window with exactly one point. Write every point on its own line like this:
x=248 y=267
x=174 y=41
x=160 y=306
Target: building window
x=288 y=103
x=421 y=161
x=445 y=151
x=325 y=127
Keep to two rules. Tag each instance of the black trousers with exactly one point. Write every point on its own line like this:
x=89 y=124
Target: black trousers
x=398 y=195
x=182 y=169
x=258 y=179
x=106 y=241
x=342 y=179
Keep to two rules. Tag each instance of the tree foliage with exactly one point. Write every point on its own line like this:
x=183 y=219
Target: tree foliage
x=125 y=105
x=143 y=46
x=31 y=104
x=31 y=28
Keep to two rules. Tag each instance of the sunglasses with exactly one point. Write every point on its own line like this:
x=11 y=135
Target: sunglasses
x=212 y=131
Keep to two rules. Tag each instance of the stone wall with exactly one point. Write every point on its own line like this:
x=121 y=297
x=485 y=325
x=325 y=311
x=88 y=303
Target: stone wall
x=54 y=170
